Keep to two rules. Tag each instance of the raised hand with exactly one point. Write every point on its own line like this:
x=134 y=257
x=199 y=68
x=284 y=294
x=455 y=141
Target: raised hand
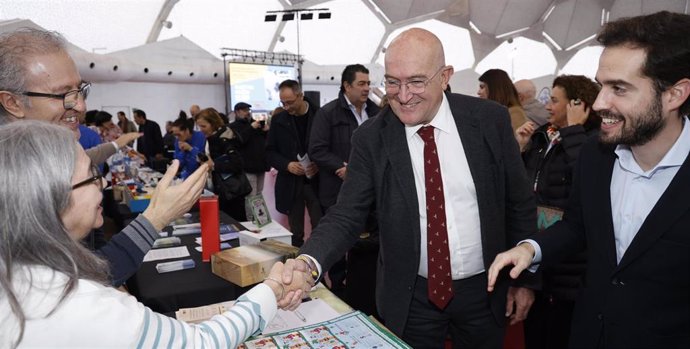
x=577 y=112
x=169 y=202
x=523 y=134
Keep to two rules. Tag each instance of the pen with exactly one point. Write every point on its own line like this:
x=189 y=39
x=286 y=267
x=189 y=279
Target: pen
x=300 y=316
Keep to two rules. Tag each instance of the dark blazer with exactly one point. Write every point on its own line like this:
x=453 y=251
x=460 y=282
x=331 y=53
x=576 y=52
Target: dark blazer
x=329 y=145
x=643 y=301
x=252 y=145
x=380 y=172
x=282 y=147
x=151 y=143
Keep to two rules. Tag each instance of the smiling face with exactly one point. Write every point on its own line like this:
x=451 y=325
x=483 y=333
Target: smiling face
x=84 y=212
x=53 y=73
x=557 y=107
x=416 y=55
x=181 y=135
x=630 y=108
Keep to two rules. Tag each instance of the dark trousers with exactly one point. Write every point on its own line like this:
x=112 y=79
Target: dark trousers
x=304 y=196
x=548 y=323
x=467 y=318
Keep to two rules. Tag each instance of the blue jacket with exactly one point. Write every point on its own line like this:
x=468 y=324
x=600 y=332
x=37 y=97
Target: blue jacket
x=188 y=163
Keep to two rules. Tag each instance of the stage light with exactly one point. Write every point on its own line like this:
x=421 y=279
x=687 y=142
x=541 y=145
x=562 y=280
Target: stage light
x=325 y=15
x=306 y=16
x=270 y=18
x=288 y=17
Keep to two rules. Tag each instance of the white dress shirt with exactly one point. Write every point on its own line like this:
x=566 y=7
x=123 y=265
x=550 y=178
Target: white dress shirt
x=359 y=117
x=462 y=210
x=635 y=192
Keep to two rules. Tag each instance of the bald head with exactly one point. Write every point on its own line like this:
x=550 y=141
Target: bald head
x=416 y=40
x=526 y=90
x=416 y=76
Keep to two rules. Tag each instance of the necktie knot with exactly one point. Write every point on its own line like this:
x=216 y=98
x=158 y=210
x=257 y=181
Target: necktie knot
x=427 y=133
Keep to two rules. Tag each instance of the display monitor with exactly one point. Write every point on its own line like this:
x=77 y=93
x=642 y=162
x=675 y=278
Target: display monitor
x=257 y=84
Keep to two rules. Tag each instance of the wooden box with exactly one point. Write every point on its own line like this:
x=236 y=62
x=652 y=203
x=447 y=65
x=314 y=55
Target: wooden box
x=248 y=265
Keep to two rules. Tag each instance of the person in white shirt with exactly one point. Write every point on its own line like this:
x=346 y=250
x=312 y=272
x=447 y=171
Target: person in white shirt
x=55 y=292
x=629 y=204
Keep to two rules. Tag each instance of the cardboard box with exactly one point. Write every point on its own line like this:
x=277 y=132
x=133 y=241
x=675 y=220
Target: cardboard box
x=272 y=231
x=248 y=265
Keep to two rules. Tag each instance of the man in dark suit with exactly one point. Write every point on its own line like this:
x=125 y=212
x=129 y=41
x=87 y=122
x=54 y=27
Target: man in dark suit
x=630 y=198
x=428 y=285
x=288 y=141
x=151 y=143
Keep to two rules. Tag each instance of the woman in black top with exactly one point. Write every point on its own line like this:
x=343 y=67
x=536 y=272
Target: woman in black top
x=224 y=160
x=550 y=153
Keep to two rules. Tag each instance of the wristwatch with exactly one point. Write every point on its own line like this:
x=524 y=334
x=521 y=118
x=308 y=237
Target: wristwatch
x=310 y=266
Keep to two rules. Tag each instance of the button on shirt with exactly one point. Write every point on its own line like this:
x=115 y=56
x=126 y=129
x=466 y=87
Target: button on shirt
x=635 y=192
x=359 y=117
x=462 y=211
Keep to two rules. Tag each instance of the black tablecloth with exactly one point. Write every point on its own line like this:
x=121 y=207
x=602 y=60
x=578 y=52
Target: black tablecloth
x=195 y=287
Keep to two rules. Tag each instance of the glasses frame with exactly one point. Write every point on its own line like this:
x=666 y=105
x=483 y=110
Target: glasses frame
x=399 y=84
x=96 y=176
x=83 y=90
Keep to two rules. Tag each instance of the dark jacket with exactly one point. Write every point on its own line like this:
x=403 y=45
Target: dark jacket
x=223 y=152
x=380 y=172
x=329 y=146
x=641 y=301
x=552 y=177
x=252 y=145
x=151 y=143
x=282 y=147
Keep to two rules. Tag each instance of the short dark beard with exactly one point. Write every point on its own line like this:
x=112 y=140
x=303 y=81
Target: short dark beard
x=644 y=126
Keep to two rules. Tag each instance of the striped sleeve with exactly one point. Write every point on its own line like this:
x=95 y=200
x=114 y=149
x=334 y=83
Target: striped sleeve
x=249 y=316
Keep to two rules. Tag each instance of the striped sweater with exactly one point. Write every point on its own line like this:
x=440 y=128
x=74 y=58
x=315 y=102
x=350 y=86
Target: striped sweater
x=94 y=315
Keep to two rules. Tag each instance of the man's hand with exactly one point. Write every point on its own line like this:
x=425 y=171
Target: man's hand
x=298 y=280
x=312 y=170
x=169 y=202
x=127 y=138
x=341 y=172
x=520 y=256
x=295 y=168
x=519 y=301
x=286 y=291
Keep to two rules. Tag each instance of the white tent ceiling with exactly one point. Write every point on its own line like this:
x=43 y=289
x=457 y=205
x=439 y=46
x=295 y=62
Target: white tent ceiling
x=477 y=34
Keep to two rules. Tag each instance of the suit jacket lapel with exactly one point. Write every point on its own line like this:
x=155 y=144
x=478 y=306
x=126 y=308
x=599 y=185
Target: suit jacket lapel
x=396 y=148
x=601 y=209
x=671 y=205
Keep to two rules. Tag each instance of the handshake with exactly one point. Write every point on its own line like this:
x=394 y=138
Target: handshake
x=290 y=282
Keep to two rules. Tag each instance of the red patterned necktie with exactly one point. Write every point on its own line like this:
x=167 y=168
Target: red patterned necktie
x=438 y=255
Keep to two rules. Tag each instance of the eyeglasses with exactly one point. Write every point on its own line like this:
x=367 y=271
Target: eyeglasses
x=69 y=99
x=96 y=176
x=415 y=86
x=289 y=103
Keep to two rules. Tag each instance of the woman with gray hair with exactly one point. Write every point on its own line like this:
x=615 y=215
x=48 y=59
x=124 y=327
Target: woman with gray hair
x=54 y=292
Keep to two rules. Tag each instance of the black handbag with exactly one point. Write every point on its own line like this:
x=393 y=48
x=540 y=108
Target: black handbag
x=231 y=185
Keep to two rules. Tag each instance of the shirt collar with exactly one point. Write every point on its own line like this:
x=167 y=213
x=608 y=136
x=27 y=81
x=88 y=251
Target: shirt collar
x=352 y=106
x=673 y=158
x=443 y=120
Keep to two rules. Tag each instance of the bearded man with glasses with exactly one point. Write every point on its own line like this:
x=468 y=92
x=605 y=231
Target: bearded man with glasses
x=450 y=190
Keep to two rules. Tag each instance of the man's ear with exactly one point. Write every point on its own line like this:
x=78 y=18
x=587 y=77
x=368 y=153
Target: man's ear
x=12 y=104
x=678 y=94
